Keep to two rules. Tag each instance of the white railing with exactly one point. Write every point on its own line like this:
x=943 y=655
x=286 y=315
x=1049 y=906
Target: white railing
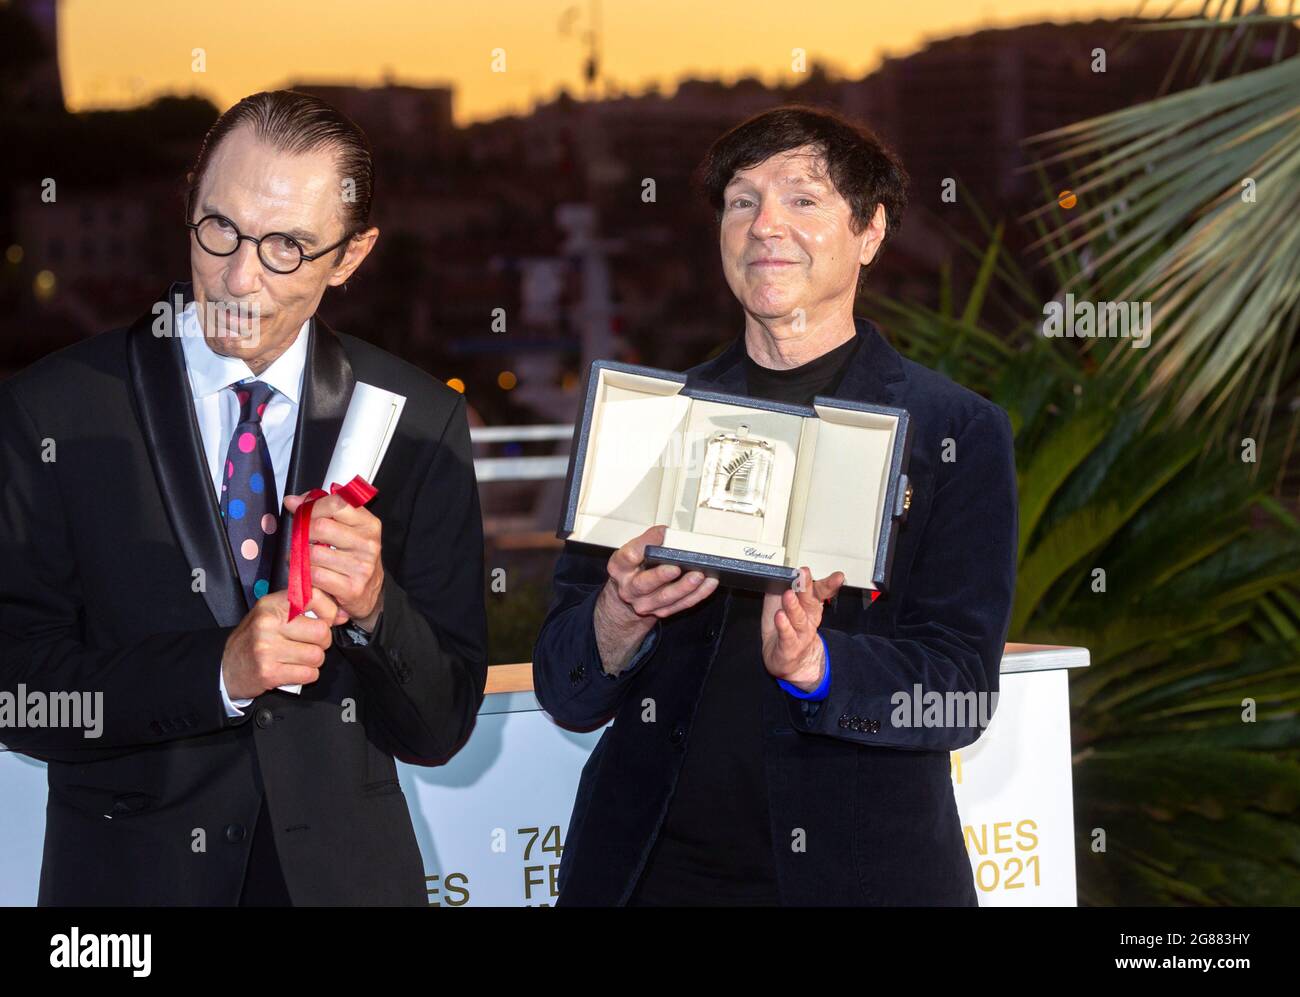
x=520 y=468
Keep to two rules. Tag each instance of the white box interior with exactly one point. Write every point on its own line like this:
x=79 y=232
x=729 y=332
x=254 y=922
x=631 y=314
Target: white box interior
x=645 y=457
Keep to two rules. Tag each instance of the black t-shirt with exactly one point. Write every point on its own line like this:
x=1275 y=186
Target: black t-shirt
x=715 y=846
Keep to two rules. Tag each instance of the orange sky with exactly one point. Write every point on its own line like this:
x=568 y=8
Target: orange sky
x=126 y=51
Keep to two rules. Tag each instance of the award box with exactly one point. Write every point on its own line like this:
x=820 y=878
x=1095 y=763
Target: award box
x=749 y=489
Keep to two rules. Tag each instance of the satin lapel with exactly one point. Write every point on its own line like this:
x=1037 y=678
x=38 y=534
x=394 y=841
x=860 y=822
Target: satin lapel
x=165 y=408
x=327 y=388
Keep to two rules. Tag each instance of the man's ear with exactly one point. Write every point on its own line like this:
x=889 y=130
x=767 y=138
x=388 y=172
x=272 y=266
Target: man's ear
x=359 y=248
x=874 y=235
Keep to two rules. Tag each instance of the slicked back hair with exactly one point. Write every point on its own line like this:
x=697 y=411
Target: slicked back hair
x=299 y=123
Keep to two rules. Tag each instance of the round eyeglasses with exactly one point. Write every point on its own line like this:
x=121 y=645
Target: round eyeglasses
x=278 y=252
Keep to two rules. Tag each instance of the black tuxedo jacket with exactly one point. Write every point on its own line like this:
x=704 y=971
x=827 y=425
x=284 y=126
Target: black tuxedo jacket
x=116 y=577
x=873 y=800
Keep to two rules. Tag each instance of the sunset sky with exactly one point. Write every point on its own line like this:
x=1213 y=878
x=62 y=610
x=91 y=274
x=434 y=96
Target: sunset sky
x=127 y=51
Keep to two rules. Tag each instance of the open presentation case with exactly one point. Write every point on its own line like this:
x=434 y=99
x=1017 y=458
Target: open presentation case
x=748 y=489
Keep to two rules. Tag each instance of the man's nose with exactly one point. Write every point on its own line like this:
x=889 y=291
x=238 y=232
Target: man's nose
x=243 y=270
x=769 y=221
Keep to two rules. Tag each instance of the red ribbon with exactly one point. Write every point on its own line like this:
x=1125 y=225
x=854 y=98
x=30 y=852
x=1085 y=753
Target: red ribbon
x=356 y=493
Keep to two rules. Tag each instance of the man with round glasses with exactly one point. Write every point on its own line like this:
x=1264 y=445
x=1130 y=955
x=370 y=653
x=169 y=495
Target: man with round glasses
x=150 y=477
x=280 y=253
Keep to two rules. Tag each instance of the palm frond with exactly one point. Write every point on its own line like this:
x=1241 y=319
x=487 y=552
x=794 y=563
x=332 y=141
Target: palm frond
x=1225 y=288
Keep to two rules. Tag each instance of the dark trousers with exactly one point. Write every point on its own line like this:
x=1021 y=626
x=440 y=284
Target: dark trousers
x=264 y=882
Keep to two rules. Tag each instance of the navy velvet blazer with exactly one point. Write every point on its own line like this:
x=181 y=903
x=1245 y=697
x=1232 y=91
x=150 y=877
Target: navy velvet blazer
x=873 y=798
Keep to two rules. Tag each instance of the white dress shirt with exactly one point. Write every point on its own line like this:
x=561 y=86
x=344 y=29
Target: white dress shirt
x=217 y=410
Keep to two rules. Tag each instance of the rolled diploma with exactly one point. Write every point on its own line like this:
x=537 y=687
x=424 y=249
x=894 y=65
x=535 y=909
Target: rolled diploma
x=363 y=440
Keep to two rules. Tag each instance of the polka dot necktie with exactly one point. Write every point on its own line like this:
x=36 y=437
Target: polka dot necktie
x=249 y=504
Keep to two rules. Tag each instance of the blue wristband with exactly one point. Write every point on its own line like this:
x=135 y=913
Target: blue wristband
x=823 y=688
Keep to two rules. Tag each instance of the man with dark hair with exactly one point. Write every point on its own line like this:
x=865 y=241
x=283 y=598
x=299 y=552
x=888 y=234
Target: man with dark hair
x=148 y=561
x=752 y=758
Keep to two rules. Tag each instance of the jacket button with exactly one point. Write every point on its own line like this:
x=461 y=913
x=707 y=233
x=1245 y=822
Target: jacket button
x=677 y=733
x=234 y=833
x=263 y=717
x=712 y=634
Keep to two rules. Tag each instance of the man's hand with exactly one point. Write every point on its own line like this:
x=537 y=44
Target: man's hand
x=791 y=648
x=636 y=597
x=345 y=561
x=266 y=650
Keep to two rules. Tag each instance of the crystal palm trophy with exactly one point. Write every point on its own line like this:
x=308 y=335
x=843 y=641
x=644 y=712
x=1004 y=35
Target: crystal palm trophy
x=737 y=472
